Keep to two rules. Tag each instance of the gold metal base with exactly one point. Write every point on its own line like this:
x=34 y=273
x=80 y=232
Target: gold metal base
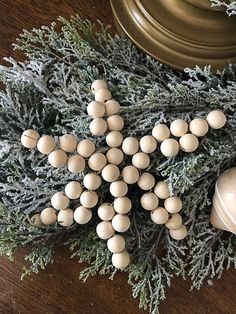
x=180 y=33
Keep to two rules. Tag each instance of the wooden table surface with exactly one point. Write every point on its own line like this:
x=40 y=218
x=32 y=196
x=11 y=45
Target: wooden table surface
x=57 y=289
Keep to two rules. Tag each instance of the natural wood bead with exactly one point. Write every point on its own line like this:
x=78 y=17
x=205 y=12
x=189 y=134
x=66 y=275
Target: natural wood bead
x=174 y=221
x=179 y=234
x=121 y=260
x=122 y=205
x=118 y=188
x=130 y=145
x=86 y=148
x=198 y=127
x=96 y=109
x=89 y=199
x=114 y=139
x=103 y=95
x=161 y=190
x=112 y=107
x=29 y=138
x=179 y=127
x=130 y=174
x=98 y=127
x=110 y=173
x=82 y=215
x=92 y=181
x=120 y=223
x=146 y=181
x=97 y=84
x=216 y=119
x=106 y=211
x=149 y=201
x=46 y=144
x=115 y=156
x=73 y=190
x=59 y=200
x=68 y=143
x=36 y=220
x=97 y=161
x=140 y=160
x=57 y=158
x=105 y=230
x=169 y=147
x=173 y=204
x=76 y=164
x=148 y=144
x=159 y=215
x=48 y=216
x=115 y=123
x=188 y=143
x=65 y=217
x=160 y=132
x=116 y=244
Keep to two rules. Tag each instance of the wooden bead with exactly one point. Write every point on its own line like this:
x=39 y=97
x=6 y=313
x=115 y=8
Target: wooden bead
x=29 y=138
x=98 y=127
x=115 y=156
x=57 y=158
x=120 y=260
x=76 y=164
x=173 y=204
x=130 y=145
x=46 y=144
x=216 y=119
x=92 y=181
x=161 y=190
x=140 y=160
x=160 y=132
x=86 y=148
x=73 y=190
x=180 y=233
x=114 y=139
x=179 y=127
x=36 y=220
x=89 y=199
x=103 y=95
x=97 y=161
x=198 y=127
x=105 y=230
x=122 y=205
x=188 y=143
x=116 y=244
x=120 y=223
x=110 y=173
x=118 y=188
x=146 y=181
x=96 y=85
x=106 y=211
x=65 y=217
x=48 y=216
x=149 y=201
x=59 y=200
x=112 y=107
x=82 y=215
x=174 y=221
x=148 y=144
x=115 y=123
x=169 y=147
x=159 y=215
x=96 y=109
x=130 y=174
x=68 y=143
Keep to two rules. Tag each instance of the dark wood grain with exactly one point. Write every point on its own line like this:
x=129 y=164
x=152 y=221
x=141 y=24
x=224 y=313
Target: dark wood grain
x=57 y=289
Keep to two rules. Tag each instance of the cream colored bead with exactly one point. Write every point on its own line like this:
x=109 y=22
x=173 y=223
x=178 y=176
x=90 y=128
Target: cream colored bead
x=115 y=123
x=169 y=147
x=188 y=143
x=96 y=85
x=216 y=119
x=116 y=244
x=110 y=173
x=146 y=181
x=173 y=204
x=112 y=107
x=140 y=160
x=96 y=109
x=118 y=188
x=86 y=148
x=98 y=127
x=130 y=174
x=97 y=161
x=92 y=181
x=159 y=215
x=106 y=211
x=29 y=138
x=120 y=223
x=115 y=156
x=120 y=260
x=68 y=143
x=130 y=145
x=174 y=221
x=36 y=220
x=82 y=215
x=65 y=217
x=148 y=144
x=73 y=190
x=114 y=139
x=105 y=230
x=149 y=201
x=161 y=190
x=57 y=158
x=46 y=144
x=48 y=216
x=89 y=199
x=59 y=200
x=122 y=205
x=198 y=127
x=180 y=233
x=160 y=132
x=178 y=127
x=103 y=95
x=76 y=164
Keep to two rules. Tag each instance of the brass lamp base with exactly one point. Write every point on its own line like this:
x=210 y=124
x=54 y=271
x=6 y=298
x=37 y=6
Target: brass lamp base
x=180 y=33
